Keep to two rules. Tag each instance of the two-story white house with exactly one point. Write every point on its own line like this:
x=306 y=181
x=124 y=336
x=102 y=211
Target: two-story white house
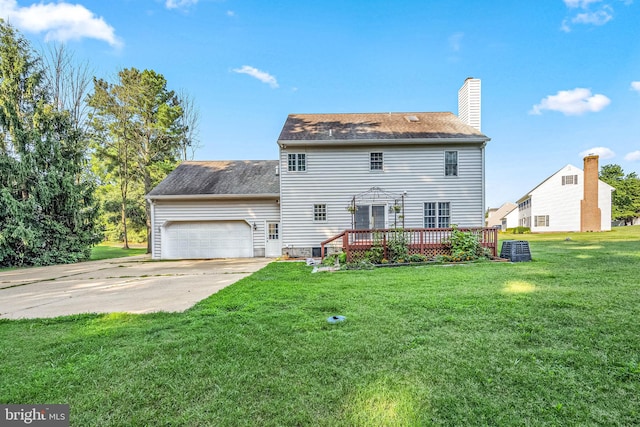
x=334 y=172
x=571 y=199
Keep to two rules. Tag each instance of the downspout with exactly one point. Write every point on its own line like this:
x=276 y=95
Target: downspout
x=153 y=228
x=484 y=184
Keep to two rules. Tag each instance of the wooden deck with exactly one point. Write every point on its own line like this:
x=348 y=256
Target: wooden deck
x=429 y=242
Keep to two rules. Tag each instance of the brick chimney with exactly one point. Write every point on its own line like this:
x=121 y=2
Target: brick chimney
x=469 y=102
x=590 y=215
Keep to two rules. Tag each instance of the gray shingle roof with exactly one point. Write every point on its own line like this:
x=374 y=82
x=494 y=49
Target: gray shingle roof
x=377 y=126
x=220 y=178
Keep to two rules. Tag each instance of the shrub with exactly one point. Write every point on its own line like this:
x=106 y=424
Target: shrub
x=518 y=230
x=465 y=246
x=417 y=258
x=341 y=257
x=397 y=244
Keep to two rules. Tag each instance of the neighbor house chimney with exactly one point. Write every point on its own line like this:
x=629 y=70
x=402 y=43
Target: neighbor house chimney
x=590 y=215
x=469 y=102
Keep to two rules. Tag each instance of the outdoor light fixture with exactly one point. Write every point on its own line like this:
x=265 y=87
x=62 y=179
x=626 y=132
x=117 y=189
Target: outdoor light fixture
x=255 y=226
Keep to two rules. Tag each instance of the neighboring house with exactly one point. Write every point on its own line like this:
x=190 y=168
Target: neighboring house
x=336 y=172
x=569 y=200
x=495 y=215
x=510 y=219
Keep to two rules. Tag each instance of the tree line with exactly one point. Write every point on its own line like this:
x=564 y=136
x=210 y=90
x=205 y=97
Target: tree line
x=625 y=200
x=78 y=153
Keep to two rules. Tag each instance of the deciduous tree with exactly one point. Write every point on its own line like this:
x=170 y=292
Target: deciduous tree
x=140 y=130
x=625 y=200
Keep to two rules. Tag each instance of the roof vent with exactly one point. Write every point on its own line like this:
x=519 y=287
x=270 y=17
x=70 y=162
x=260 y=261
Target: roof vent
x=412 y=118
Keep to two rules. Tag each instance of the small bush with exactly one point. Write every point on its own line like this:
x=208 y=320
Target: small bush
x=397 y=244
x=465 y=246
x=341 y=257
x=518 y=230
x=417 y=258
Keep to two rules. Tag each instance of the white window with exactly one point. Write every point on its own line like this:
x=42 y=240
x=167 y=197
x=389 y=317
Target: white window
x=541 y=220
x=376 y=162
x=297 y=162
x=437 y=214
x=320 y=213
x=450 y=163
x=570 y=180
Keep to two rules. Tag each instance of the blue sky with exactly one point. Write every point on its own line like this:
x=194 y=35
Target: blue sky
x=560 y=78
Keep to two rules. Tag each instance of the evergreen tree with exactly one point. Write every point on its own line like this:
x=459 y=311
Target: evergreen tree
x=47 y=209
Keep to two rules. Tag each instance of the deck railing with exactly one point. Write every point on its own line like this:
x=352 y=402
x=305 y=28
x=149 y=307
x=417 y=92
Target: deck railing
x=429 y=242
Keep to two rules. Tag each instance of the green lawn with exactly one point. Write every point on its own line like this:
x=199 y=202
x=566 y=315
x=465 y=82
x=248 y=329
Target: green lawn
x=553 y=342
x=114 y=250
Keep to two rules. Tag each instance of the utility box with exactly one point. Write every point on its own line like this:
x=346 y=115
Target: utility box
x=515 y=250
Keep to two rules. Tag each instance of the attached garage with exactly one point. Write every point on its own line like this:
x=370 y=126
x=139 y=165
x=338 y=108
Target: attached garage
x=207 y=239
x=219 y=209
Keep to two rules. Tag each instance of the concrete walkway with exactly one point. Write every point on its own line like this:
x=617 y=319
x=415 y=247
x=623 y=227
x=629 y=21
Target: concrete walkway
x=132 y=284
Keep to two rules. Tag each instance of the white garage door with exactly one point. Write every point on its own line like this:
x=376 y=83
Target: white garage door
x=211 y=239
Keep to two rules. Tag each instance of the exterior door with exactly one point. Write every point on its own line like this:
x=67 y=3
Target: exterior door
x=377 y=216
x=274 y=244
x=369 y=217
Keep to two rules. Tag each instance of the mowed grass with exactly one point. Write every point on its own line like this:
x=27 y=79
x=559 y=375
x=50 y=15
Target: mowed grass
x=555 y=341
x=115 y=250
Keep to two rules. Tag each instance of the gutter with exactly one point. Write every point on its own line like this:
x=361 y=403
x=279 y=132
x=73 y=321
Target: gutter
x=386 y=142
x=263 y=196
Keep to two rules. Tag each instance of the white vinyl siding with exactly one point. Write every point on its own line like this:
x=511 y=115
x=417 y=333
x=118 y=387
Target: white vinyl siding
x=334 y=175
x=252 y=212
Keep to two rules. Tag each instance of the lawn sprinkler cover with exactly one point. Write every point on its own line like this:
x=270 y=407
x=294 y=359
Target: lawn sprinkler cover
x=336 y=319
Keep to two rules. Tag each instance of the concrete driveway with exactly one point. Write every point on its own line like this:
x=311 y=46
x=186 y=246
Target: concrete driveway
x=133 y=285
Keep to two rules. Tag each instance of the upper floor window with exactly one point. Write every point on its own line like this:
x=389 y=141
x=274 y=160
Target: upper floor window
x=319 y=213
x=297 y=162
x=450 y=163
x=569 y=179
x=376 y=162
x=541 y=220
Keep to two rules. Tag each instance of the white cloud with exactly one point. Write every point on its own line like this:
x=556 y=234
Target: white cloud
x=263 y=76
x=231 y=13
x=455 y=41
x=603 y=152
x=58 y=21
x=572 y=102
x=635 y=86
x=178 y=4
x=584 y=14
x=633 y=156
x=580 y=3
x=599 y=17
